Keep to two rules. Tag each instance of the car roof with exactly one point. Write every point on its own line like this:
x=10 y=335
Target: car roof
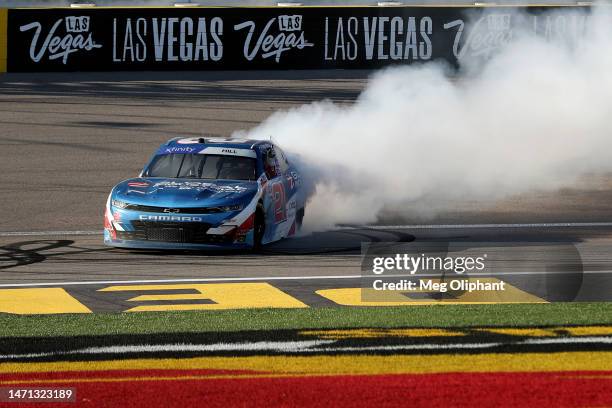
x=215 y=142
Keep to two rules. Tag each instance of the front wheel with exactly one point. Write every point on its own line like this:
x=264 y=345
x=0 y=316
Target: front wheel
x=259 y=228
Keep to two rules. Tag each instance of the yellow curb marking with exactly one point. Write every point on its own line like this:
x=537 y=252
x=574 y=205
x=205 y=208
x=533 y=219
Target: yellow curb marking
x=588 y=330
x=224 y=296
x=361 y=333
x=379 y=333
x=372 y=297
x=346 y=364
x=39 y=301
x=529 y=332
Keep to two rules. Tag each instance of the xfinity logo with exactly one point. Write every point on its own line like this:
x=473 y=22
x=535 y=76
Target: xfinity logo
x=169 y=218
x=77 y=38
x=185 y=149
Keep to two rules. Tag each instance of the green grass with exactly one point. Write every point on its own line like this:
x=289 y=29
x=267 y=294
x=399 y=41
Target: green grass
x=266 y=319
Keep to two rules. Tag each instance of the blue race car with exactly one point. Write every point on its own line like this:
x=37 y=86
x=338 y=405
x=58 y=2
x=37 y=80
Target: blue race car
x=200 y=193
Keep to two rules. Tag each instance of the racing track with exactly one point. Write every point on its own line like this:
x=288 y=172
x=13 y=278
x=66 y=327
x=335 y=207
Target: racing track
x=65 y=139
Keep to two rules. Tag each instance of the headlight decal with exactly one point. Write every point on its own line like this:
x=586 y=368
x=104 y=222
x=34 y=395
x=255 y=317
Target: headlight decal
x=119 y=204
x=228 y=208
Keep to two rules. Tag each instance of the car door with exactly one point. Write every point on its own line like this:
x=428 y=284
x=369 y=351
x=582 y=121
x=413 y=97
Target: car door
x=293 y=192
x=279 y=215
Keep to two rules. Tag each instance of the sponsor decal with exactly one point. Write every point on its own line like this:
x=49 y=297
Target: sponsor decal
x=169 y=218
x=200 y=186
x=138 y=184
x=179 y=149
x=382 y=38
x=76 y=37
x=229 y=150
x=170 y=39
x=267 y=45
x=294 y=180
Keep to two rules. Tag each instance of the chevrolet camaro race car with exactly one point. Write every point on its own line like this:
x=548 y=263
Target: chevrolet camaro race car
x=198 y=193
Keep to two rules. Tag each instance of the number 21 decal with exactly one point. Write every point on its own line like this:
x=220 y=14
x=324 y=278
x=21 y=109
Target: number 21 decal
x=278 y=198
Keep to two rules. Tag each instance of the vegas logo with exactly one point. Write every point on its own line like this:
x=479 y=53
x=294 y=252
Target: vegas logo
x=485 y=36
x=77 y=37
x=289 y=36
x=77 y=24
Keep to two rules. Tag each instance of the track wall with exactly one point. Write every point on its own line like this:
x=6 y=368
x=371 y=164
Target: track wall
x=225 y=38
x=3 y=42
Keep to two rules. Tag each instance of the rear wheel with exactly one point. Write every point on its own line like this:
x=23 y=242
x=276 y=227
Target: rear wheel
x=260 y=227
x=299 y=218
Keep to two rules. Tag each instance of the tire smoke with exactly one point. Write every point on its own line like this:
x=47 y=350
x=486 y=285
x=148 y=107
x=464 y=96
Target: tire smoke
x=535 y=114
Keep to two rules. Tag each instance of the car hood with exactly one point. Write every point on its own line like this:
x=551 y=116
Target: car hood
x=184 y=192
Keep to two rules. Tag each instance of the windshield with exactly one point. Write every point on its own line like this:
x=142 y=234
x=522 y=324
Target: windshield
x=203 y=166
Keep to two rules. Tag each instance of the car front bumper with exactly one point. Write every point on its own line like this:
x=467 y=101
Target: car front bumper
x=109 y=240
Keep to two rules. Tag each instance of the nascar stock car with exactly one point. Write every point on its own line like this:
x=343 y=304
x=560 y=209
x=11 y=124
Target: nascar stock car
x=198 y=193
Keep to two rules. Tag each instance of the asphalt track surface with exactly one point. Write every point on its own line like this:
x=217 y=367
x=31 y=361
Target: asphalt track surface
x=66 y=139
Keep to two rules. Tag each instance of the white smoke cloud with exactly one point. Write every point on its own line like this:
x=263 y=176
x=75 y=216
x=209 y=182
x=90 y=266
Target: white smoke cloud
x=536 y=115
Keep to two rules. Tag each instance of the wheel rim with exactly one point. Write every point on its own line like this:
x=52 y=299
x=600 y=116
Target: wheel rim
x=259 y=228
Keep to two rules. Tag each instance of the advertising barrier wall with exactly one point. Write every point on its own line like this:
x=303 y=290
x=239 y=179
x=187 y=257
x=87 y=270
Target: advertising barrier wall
x=3 y=42
x=124 y=39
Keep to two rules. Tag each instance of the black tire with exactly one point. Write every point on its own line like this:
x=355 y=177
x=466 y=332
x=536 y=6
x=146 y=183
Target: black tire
x=259 y=228
x=299 y=218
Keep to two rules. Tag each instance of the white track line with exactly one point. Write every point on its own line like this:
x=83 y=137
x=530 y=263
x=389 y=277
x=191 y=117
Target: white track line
x=46 y=233
x=570 y=340
x=371 y=227
x=306 y=346
x=475 y=226
x=276 y=346
x=399 y=347
x=272 y=278
x=193 y=280
x=406 y=347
